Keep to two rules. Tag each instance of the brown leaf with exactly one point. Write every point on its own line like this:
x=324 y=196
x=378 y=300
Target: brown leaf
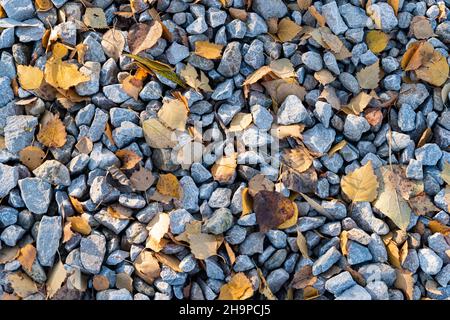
x=67 y=232
x=238 y=14
x=304 y=4
x=436 y=226
x=147 y=266
x=27 y=256
x=281 y=88
x=264 y=288
x=204 y=245
x=247 y=202
x=258 y=183
x=76 y=204
x=108 y=134
x=298 y=159
x=305 y=182
x=272 y=209
x=56 y=279
x=169 y=261
x=168 y=185
x=302 y=245
x=369 y=77
x=32 y=157
x=53 y=133
x=238 y=288
x=230 y=252
x=395 y=5
x=344 y=242
x=281 y=132
x=310 y=293
x=208 y=50
x=257 y=75
x=8 y=254
x=358 y=104
x=84 y=145
x=319 y=18
x=425 y=137
x=80 y=225
x=303 y=278
x=119 y=212
x=287 y=30
x=338 y=146
x=128 y=158
x=421 y=28
x=190 y=75
x=240 y=122
x=224 y=169
x=422 y=204
x=43 y=5
x=142 y=179
x=132 y=86
x=22 y=285
x=143 y=36
x=393 y=254
x=329 y=94
x=324 y=76
x=405 y=282
x=100 y=282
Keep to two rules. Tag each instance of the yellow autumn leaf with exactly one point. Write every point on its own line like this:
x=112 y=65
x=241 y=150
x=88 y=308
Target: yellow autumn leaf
x=27 y=256
x=369 y=77
x=436 y=226
x=239 y=288
x=204 y=245
x=61 y=74
x=225 y=168
x=435 y=70
x=324 y=76
x=168 y=185
x=56 y=278
x=30 y=78
x=247 y=202
x=240 y=122
x=43 y=5
x=358 y=104
x=395 y=5
x=190 y=76
x=298 y=159
x=208 y=50
x=173 y=114
x=80 y=225
x=257 y=75
x=377 y=40
x=21 y=284
x=361 y=184
x=287 y=30
x=53 y=133
x=282 y=68
x=95 y=18
x=338 y=146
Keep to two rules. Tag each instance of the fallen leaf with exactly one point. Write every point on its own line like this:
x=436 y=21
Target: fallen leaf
x=445 y=173
x=95 y=18
x=67 y=232
x=343 y=239
x=238 y=14
x=377 y=40
x=30 y=78
x=119 y=212
x=338 y=146
x=170 y=261
x=224 y=169
x=310 y=293
x=76 y=204
x=358 y=104
x=361 y=184
x=7 y=296
x=147 y=266
x=435 y=70
x=292 y=221
x=190 y=76
x=264 y=288
x=100 y=282
x=303 y=278
x=287 y=30
x=272 y=209
x=405 y=282
x=204 y=245
x=108 y=134
x=173 y=114
x=304 y=182
x=258 y=183
x=142 y=179
x=282 y=68
x=281 y=88
x=84 y=145
x=369 y=77
x=230 y=252
x=298 y=159
x=421 y=28
x=22 y=285
x=53 y=133
x=8 y=254
x=436 y=226
x=124 y=281
x=132 y=86
x=128 y=158
x=157 y=228
x=32 y=157
x=247 y=202
x=281 y=132
x=240 y=122
x=257 y=75
x=329 y=94
x=393 y=254
x=157 y=135
x=208 y=50
x=319 y=18
x=374 y=116
x=168 y=185
x=77 y=280
x=238 y=288
x=395 y=5
x=61 y=74
x=316 y=206
x=324 y=77
x=43 y=5
x=422 y=204
x=56 y=279
x=302 y=245
x=27 y=256
x=412 y=58
x=80 y=225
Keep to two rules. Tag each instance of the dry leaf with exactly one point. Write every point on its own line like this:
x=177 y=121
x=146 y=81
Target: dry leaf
x=67 y=232
x=258 y=183
x=63 y=75
x=287 y=30
x=169 y=261
x=22 y=285
x=27 y=257
x=329 y=94
x=282 y=68
x=53 y=133
x=142 y=179
x=257 y=75
x=425 y=137
x=361 y=184
x=224 y=169
x=298 y=159
x=113 y=43
x=168 y=185
x=281 y=132
x=157 y=228
x=8 y=254
x=173 y=114
x=320 y=19
x=281 y=88
x=264 y=288
x=272 y=209
x=445 y=173
x=56 y=279
x=80 y=225
x=143 y=36
x=32 y=157
x=77 y=280
x=343 y=239
x=84 y=145
x=304 y=4
x=147 y=266
x=230 y=252
x=132 y=86
x=238 y=288
x=310 y=293
x=157 y=135
x=369 y=77
x=292 y=221
x=190 y=76
x=124 y=281
x=119 y=212
x=302 y=245
x=238 y=14
x=338 y=146
x=405 y=282
x=393 y=254
x=95 y=18
x=30 y=78
x=358 y=104
x=434 y=71
x=128 y=158
x=316 y=206
x=100 y=282
x=240 y=122
x=208 y=50
x=421 y=28
x=324 y=76
x=303 y=278
x=422 y=204
x=377 y=40
x=77 y=205
x=43 y=5
x=395 y=5
x=108 y=134
x=247 y=202
x=204 y=245
x=436 y=226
